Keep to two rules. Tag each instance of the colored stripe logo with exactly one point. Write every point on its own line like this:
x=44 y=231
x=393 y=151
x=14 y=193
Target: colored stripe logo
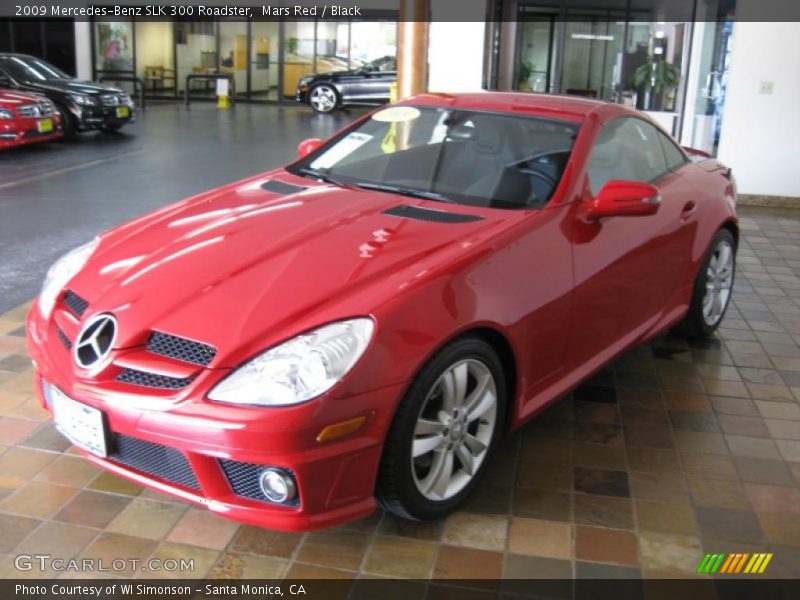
x=736 y=562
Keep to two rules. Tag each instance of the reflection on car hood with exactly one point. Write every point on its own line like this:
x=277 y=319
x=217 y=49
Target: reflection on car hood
x=72 y=86
x=10 y=99
x=238 y=265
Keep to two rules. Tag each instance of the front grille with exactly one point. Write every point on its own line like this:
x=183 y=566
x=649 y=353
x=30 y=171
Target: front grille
x=155 y=460
x=113 y=99
x=243 y=479
x=40 y=109
x=152 y=380
x=63 y=337
x=75 y=303
x=426 y=214
x=180 y=348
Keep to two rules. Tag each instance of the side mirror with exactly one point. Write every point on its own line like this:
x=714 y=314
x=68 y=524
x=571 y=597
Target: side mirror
x=308 y=146
x=620 y=198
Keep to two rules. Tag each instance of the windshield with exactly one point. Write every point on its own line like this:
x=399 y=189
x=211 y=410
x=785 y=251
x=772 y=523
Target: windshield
x=466 y=157
x=31 y=69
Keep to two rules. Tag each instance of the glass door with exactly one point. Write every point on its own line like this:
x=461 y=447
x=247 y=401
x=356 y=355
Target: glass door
x=536 y=52
x=196 y=54
x=592 y=63
x=264 y=63
x=705 y=87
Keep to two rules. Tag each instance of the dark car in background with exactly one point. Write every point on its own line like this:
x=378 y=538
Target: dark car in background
x=83 y=105
x=365 y=86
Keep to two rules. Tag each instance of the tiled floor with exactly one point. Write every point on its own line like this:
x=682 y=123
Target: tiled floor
x=680 y=448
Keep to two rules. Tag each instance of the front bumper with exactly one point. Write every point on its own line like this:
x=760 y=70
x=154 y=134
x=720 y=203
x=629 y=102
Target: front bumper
x=19 y=132
x=335 y=480
x=88 y=118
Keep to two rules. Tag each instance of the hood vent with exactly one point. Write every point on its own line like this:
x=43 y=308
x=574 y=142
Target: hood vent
x=281 y=187
x=426 y=214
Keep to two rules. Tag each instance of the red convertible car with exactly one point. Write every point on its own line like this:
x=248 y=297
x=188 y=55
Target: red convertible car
x=363 y=326
x=27 y=119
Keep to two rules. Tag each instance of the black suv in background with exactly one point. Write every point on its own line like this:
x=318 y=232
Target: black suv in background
x=84 y=105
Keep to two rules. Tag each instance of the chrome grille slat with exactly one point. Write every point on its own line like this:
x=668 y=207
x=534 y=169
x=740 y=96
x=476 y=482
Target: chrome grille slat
x=153 y=380
x=153 y=459
x=180 y=348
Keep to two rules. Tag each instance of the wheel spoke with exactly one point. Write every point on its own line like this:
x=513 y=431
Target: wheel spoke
x=424 y=445
x=440 y=475
x=466 y=459
x=478 y=407
x=460 y=374
x=428 y=427
x=475 y=446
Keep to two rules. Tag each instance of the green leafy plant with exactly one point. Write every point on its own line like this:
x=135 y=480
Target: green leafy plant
x=524 y=75
x=291 y=45
x=656 y=76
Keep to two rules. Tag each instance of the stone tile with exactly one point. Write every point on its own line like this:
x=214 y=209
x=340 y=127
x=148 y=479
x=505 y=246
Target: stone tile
x=93 y=509
x=538 y=476
x=302 y=572
x=598 y=433
x=649 y=436
x=783 y=430
x=691 y=420
x=598 y=456
x=47 y=438
x=727 y=524
x=204 y=529
x=533 y=537
x=147 y=518
x=602 y=482
x=203 y=560
x=255 y=540
x=110 y=546
x=420 y=530
x=24 y=463
x=13 y=431
x=38 y=499
x=693 y=441
x=606 y=545
x=67 y=470
x=653 y=460
x=13 y=529
x=778 y=410
x=709 y=466
x=475 y=531
x=551 y=506
x=337 y=549
x=233 y=565
x=598 y=573
x=773 y=498
x=603 y=511
x=400 y=557
x=748 y=426
x=59 y=540
x=719 y=493
x=688 y=401
x=671 y=487
x=790 y=450
x=762 y=470
x=666 y=517
x=752 y=447
x=454 y=562
x=670 y=552
x=107 y=482
x=517 y=566
x=783 y=530
x=734 y=406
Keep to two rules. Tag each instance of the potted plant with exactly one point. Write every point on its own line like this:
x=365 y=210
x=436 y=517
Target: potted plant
x=655 y=77
x=524 y=76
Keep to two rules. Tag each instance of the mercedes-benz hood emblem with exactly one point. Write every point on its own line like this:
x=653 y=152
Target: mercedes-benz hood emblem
x=95 y=341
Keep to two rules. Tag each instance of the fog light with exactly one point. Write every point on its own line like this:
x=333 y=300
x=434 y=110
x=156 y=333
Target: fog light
x=277 y=486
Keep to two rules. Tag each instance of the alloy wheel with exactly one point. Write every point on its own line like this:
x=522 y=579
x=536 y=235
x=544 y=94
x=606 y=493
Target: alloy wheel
x=323 y=98
x=454 y=429
x=719 y=283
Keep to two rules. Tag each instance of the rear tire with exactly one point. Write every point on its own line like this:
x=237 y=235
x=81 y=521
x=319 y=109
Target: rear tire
x=450 y=418
x=713 y=287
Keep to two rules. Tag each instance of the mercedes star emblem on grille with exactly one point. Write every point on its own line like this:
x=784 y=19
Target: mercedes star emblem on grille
x=95 y=341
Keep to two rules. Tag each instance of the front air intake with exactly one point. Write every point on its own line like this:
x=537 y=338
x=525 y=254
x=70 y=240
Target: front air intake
x=426 y=214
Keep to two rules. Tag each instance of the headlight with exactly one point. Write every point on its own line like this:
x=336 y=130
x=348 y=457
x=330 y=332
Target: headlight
x=6 y=114
x=64 y=269
x=304 y=81
x=300 y=369
x=83 y=99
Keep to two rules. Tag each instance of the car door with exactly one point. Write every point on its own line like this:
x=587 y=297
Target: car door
x=374 y=85
x=628 y=269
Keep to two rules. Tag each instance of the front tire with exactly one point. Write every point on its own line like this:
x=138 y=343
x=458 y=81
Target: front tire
x=323 y=98
x=67 y=124
x=713 y=287
x=444 y=432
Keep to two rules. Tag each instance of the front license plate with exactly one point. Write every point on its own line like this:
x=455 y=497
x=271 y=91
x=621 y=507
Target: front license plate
x=45 y=125
x=81 y=424
x=123 y=112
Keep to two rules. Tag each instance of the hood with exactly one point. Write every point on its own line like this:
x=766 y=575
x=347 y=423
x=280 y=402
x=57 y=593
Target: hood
x=241 y=265
x=72 y=86
x=10 y=99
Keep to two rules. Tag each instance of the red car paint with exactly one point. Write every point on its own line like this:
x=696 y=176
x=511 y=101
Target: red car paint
x=559 y=293
x=21 y=129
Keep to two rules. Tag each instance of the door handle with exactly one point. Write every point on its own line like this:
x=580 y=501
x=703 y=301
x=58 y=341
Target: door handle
x=688 y=210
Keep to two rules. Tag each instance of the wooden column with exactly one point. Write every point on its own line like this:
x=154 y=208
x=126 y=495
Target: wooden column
x=412 y=48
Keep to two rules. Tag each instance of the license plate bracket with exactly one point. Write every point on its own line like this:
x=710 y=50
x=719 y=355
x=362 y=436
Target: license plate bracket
x=123 y=112
x=83 y=425
x=44 y=125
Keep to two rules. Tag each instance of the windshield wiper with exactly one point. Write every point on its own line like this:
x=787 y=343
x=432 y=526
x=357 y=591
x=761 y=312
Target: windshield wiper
x=405 y=191
x=322 y=176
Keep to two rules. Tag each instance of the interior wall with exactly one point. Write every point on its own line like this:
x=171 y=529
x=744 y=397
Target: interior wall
x=155 y=45
x=456 y=49
x=761 y=122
